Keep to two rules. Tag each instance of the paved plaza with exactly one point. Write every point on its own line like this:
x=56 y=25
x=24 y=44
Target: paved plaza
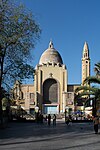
x=32 y=136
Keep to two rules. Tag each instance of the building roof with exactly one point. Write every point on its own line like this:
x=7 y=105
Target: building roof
x=50 y=55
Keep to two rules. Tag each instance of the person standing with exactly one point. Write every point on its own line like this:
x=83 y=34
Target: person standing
x=67 y=120
x=49 y=119
x=54 y=120
x=96 y=123
x=45 y=119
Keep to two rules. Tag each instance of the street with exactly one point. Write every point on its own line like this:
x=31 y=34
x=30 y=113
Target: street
x=32 y=136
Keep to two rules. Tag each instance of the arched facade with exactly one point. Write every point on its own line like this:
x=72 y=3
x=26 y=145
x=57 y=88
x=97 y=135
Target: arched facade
x=50 y=96
x=50 y=81
x=50 y=91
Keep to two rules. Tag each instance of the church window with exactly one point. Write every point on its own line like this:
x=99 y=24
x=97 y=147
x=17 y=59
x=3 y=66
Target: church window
x=31 y=97
x=69 y=95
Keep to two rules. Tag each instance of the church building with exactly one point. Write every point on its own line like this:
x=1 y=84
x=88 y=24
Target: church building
x=50 y=93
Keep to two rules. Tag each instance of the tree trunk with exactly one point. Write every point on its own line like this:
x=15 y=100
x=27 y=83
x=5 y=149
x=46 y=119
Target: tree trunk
x=1 y=74
x=1 y=112
x=94 y=111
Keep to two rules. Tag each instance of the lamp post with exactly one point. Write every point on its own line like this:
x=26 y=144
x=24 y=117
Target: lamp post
x=76 y=110
x=37 y=113
x=66 y=112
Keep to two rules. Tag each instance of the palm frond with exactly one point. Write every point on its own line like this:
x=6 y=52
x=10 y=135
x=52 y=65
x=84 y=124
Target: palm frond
x=97 y=68
x=85 y=88
x=92 y=79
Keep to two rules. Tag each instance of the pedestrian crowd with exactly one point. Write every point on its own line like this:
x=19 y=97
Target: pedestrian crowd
x=46 y=119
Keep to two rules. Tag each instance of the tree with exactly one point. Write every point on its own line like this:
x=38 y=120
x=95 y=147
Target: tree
x=92 y=93
x=18 y=34
x=91 y=90
x=97 y=69
x=94 y=79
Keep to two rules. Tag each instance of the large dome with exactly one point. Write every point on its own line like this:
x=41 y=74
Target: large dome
x=50 y=55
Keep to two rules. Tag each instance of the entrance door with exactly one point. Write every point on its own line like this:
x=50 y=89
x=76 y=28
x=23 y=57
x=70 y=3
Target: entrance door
x=50 y=109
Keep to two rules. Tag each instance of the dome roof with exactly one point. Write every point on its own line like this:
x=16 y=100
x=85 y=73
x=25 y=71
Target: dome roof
x=50 y=55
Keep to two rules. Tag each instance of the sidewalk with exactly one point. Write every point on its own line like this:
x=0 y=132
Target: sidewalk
x=32 y=136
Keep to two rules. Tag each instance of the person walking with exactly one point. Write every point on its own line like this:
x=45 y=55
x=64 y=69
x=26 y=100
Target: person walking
x=67 y=120
x=54 y=120
x=45 y=119
x=49 y=119
x=96 y=123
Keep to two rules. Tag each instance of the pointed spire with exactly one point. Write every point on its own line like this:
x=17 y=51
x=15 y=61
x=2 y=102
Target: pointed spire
x=85 y=63
x=85 y=47
x=85 y=50
x=51 y=44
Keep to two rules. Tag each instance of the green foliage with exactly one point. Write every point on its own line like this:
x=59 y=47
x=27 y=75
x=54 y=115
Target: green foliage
x=18 y=34
x=92 y=79
x=97 y=69
x=87 y=91
x=4 y=93
x=5 y=102
x=93 y=91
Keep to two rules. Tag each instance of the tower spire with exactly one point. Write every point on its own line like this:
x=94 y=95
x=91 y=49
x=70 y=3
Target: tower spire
x=85 y=50
x=85 y=62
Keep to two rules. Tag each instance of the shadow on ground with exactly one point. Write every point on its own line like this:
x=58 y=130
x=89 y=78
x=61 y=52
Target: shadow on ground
x=26 y=130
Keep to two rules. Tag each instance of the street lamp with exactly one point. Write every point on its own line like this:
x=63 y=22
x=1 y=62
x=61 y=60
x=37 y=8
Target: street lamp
x=36 y=113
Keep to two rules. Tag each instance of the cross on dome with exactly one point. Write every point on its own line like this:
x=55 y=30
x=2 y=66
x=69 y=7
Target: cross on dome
x=51 y=44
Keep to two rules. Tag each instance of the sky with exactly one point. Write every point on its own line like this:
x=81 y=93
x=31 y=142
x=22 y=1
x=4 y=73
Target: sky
x=69 y=23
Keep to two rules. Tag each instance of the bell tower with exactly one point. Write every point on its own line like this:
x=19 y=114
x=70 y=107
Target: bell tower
x=85 y=62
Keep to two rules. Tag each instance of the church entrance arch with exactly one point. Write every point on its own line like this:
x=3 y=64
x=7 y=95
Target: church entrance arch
x=50 y=96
